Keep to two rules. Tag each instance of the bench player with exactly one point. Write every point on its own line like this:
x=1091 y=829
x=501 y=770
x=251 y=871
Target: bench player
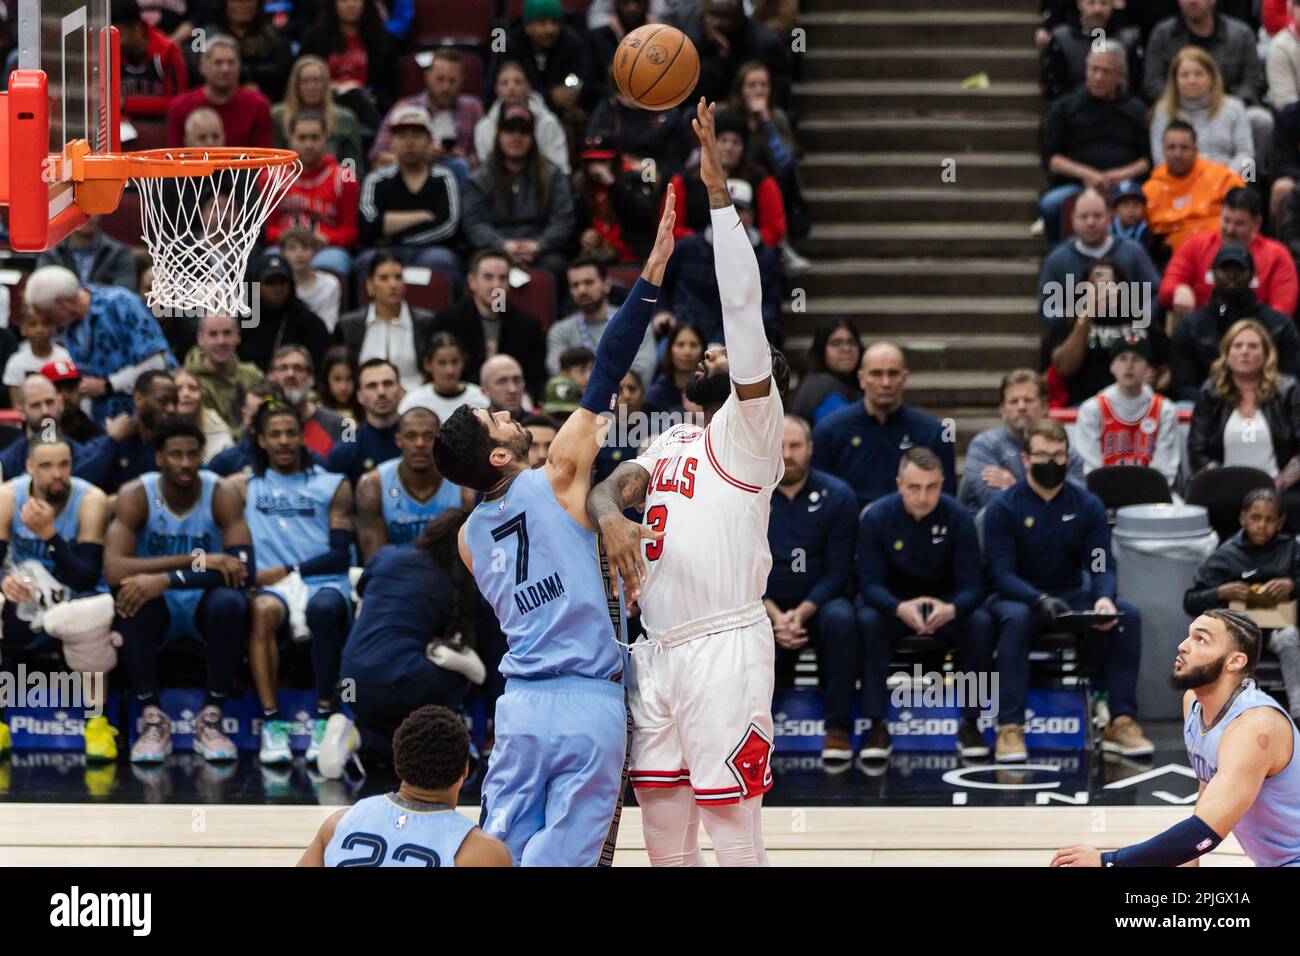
x=1243 y=748
x=701 y=688
x=553 y=789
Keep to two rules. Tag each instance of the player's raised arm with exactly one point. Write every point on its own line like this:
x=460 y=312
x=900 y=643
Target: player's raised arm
x=740 y=286
x=574 y=449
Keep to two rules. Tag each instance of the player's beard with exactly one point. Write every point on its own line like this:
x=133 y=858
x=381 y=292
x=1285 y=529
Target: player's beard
x=711 y=391
x=1193 y=677
x=519 y=445
x=57 y=498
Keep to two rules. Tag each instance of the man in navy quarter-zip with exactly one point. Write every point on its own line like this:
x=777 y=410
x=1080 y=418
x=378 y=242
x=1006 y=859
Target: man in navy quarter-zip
x=861 y=444
x=919 y=567
x=811 y=530
x=1040 y=536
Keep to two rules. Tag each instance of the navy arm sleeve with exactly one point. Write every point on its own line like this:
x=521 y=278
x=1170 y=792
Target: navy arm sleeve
x=333 y=561
x=618 y=347
x=79 y=565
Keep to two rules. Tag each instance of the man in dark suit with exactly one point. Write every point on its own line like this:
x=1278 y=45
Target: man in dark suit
x=486 y=324
x=388 y=328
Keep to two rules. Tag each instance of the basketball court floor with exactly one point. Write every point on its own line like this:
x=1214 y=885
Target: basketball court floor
x=920 y=809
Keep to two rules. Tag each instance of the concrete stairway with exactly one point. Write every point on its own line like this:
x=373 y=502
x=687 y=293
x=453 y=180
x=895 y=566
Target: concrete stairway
x=947 y=269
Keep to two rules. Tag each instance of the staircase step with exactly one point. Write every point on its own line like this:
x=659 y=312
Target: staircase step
x=991 y=170
x=823 y=98
x=938 y=204
x=961 y=351
x=919 y=239
x=940 y=28
x=952 y=134
x=904 y=316
x=922 y=63
x=930 y=390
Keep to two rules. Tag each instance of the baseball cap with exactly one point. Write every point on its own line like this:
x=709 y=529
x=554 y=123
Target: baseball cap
x=542 y=10
x=412 y=115
x=1237 y=254
x=516 y=117
x=61 y=372
x=1126 y=188
x=600 y=146
x=562 y=395
x=273 y=265
x=1131 y=342
x=742 y=193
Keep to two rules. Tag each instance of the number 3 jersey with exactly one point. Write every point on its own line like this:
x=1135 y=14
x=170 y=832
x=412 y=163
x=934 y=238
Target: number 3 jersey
x=540 y=571
x=710 y=493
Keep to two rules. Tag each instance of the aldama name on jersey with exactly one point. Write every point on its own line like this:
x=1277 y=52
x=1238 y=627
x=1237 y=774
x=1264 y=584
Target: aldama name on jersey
x=533 y=596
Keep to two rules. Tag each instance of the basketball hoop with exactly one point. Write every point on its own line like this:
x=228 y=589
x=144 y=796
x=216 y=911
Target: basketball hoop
x=201 y=213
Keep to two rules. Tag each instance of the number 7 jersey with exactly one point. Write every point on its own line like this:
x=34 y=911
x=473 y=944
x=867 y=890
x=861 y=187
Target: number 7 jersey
x=710 y=493
x=540 y=571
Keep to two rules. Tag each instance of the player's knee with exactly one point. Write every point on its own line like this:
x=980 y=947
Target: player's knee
x=267 y=612
x=228 y=606
x=328 y=607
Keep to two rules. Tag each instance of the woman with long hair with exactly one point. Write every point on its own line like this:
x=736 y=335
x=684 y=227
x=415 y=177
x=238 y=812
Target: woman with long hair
x=190 y=406
x=831 y=381
x=308 y=89
x=338 y=388
x=1194 y=93
x=442 y=363
x=264 y=56
x=361 y=54
x=518 y=201
x=681 y=357
x=1248 y=413
x=412 y=642
x=771 y=138
x=512 y=88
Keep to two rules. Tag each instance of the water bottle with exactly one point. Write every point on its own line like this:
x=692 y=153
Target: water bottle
x=26 y=610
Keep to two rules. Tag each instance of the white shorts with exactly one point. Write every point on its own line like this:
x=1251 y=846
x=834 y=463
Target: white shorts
x=702 y=714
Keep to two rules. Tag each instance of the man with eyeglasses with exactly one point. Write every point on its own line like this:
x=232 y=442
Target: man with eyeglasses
x=1047 y=546
x=863 y=442
x=293 y=370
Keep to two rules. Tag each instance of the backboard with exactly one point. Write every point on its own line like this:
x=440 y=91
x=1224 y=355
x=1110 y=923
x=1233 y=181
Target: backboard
x=64 y=92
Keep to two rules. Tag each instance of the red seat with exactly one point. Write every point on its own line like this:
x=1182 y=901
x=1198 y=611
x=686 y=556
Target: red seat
x=123 y=224
x=624 y=276
x=435 y=296
x=462 y=21
x=16 y=299
x=148 y=136
x=537 y=298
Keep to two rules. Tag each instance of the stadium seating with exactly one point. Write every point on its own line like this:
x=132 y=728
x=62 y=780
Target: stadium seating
x=536 y=298
x=459 y=21
x=1221 y=491
x=1122 y=485
x=123 y=224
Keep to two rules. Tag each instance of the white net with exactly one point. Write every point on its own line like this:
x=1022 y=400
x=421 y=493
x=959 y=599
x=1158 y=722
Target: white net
x=201 y=230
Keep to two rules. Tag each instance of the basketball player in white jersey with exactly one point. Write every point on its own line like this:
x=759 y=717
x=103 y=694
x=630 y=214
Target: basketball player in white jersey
x=1242 y=745
x=700 y=686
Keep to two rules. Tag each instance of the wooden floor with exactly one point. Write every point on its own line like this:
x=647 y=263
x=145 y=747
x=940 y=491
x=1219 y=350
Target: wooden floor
x=173 y=835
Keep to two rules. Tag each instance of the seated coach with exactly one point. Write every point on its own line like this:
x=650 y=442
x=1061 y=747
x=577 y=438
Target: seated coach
x=919 y=567
x=1047 y=543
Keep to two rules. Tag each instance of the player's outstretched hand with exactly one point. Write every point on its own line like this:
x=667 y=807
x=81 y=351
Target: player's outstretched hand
x=622 y=540
x=710 y=169
x=1077 y=855
x=657 y=261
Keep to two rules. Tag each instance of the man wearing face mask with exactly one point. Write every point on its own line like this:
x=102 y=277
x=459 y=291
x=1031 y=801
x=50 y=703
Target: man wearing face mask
x=1040 y=536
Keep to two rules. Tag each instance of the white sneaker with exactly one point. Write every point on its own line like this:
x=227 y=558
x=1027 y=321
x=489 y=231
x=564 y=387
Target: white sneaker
x=275 y=743
x=317 y=737
x=340 y=743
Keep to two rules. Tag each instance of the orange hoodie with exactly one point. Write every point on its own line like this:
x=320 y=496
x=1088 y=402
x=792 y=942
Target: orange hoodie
x=1181 y=207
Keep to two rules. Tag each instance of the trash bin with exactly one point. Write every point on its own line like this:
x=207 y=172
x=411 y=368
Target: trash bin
x=1157 y=550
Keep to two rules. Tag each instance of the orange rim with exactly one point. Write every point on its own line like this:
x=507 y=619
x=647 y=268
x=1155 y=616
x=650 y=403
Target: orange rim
x=174 y=163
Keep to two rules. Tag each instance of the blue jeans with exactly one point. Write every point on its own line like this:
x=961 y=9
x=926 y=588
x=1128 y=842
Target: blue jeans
x=1116 y=652
x=1049 y=206
x=971 y=635
x=333 y=259
x=459 y=165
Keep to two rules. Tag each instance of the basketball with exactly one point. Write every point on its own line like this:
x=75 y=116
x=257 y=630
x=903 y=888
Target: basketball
x=656 y=66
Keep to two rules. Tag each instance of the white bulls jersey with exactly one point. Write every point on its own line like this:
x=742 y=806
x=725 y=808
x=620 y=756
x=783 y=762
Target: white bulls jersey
x=710 y=492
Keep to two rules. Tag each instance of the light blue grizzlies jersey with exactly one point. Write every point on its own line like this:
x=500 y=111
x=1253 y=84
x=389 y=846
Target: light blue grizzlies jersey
x=166 y=534
x=540 y=571
x=387 y=831
x=289 y=519
x=25 y=546
x=1270 y=830
x=404 y=516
